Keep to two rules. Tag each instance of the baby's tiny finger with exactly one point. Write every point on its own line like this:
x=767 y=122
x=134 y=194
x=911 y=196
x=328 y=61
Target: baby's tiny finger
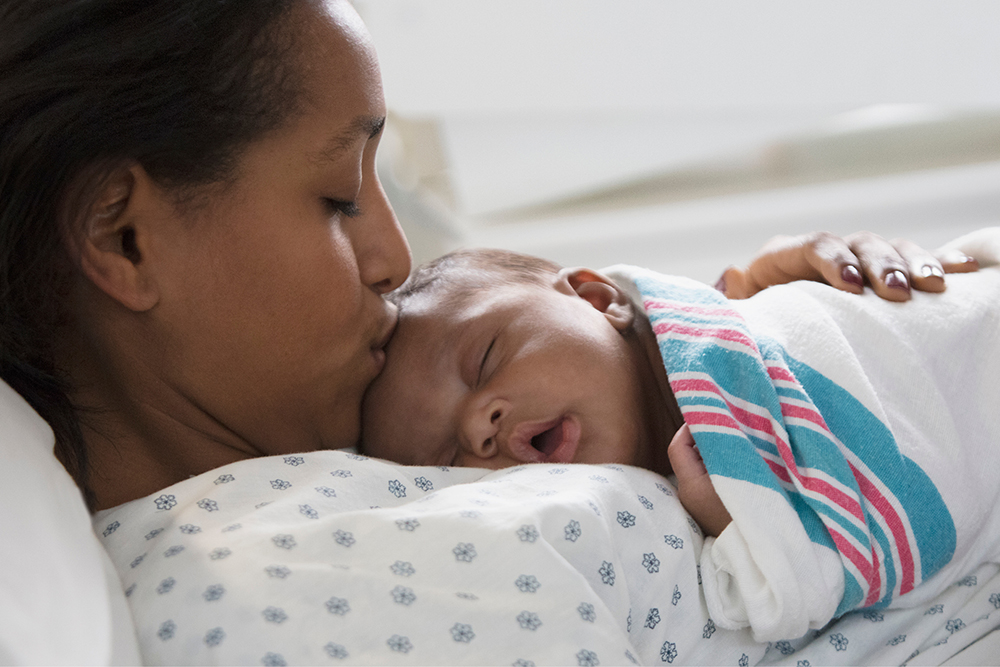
x=926 y=273
x=684 y=457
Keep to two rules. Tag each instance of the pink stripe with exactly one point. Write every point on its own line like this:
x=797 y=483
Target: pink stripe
x=778 y=470
x=711 y=419
x=809 y=414
x=834 y=495
x=661 y=305
x=661 y=328
x=853 y=555
x=879 y=503
x=778 y=373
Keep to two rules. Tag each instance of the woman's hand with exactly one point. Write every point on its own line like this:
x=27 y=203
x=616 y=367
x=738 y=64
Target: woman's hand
x=694 y=486
x=890 y=268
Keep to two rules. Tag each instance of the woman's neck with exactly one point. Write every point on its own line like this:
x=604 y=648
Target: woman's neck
x=141 y=435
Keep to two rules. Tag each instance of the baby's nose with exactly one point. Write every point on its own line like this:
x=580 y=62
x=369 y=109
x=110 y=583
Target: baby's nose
x=481 y=428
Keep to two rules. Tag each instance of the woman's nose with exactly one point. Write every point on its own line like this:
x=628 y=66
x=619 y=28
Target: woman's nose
x=480 y=428
x=380 y=246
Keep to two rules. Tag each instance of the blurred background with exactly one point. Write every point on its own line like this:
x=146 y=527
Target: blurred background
x=682 y=135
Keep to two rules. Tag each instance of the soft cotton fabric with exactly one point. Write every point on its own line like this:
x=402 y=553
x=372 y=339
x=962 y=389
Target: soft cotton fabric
x=853 y=441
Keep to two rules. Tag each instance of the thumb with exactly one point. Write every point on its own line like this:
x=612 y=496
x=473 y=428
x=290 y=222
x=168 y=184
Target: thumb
x=736 y=283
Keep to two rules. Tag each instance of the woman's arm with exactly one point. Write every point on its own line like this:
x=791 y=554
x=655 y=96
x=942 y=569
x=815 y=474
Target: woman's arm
x=890 y=268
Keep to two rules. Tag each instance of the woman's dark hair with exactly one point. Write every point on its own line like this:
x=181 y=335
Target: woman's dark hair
x=179 y=86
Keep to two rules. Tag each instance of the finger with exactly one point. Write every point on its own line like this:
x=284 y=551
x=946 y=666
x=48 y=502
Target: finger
x=883 y=267
x=781 y=260
x=926 y=273
x=735 y=283
x=833 y=259
x=684 y=458
x=956 y=261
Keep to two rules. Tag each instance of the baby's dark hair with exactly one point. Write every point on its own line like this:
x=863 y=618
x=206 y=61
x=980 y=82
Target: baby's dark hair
x=478 y=268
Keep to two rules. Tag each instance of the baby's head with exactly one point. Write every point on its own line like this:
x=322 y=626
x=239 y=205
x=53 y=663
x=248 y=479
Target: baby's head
x=501 y=359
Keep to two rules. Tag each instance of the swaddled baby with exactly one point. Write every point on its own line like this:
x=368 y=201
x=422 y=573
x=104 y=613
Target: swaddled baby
x=502 y=359
x=818 y=508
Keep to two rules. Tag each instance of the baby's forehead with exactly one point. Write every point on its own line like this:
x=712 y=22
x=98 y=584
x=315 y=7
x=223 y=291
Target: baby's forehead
x=463 y=293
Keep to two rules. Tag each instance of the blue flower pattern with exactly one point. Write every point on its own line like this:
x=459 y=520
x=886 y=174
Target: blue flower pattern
x=166 y=502
x=337 y=606
x=464 y=552
x=528 y=620
x=607 y=572
x=527 y=583
x=651 y=563
x=572 y=531
x=336 y=651
x=527 y=533
x=668 y=652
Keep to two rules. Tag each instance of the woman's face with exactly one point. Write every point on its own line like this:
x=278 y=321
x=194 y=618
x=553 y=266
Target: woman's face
x=270 y=318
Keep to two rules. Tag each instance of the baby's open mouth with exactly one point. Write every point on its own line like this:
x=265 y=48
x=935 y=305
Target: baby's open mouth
x=548 y=440
x=553 y=441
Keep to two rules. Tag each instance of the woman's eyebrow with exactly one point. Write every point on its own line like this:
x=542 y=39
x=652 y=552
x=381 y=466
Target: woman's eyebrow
x=369 y=126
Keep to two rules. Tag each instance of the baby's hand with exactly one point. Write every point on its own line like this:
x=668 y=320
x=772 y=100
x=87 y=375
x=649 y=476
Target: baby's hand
x=694 y=486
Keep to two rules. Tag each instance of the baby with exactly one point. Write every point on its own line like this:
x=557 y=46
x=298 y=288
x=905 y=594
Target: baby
x=501 y=359
x=837 y=436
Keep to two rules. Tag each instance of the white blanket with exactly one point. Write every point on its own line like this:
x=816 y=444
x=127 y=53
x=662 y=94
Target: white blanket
x=855 y=442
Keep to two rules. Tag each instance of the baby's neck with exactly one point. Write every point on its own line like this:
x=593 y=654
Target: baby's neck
x=662 y=415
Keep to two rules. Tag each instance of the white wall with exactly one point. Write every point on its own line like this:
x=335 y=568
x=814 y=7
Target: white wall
x=535 y=100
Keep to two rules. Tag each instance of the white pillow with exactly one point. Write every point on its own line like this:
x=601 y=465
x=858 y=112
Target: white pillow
x=62 y=600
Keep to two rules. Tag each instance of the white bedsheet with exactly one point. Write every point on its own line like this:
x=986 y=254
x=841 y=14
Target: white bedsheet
x=283 y=560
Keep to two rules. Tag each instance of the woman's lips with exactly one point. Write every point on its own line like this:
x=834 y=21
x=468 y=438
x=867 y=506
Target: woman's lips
x=555 y=440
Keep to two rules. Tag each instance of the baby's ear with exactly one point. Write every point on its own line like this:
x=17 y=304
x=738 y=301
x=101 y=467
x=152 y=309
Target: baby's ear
x=602 y=293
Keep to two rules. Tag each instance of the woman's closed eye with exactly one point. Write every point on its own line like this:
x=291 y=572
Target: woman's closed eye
x=348 y=209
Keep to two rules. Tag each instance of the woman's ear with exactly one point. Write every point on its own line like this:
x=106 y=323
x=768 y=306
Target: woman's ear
x=106 y=236
x=602 y=293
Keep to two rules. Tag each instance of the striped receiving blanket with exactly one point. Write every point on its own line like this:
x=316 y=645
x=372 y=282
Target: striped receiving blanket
x=854 y=442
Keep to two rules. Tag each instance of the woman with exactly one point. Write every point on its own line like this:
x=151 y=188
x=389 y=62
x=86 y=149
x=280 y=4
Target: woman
x=195 y=244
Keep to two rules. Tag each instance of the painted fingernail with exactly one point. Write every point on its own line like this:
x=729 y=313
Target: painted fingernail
x=927 y=271
x=850 y=274
x=721 y=285
x=896 y=280
x=966 y=259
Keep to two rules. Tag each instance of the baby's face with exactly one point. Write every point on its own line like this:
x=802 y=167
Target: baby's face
x=505 y=375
